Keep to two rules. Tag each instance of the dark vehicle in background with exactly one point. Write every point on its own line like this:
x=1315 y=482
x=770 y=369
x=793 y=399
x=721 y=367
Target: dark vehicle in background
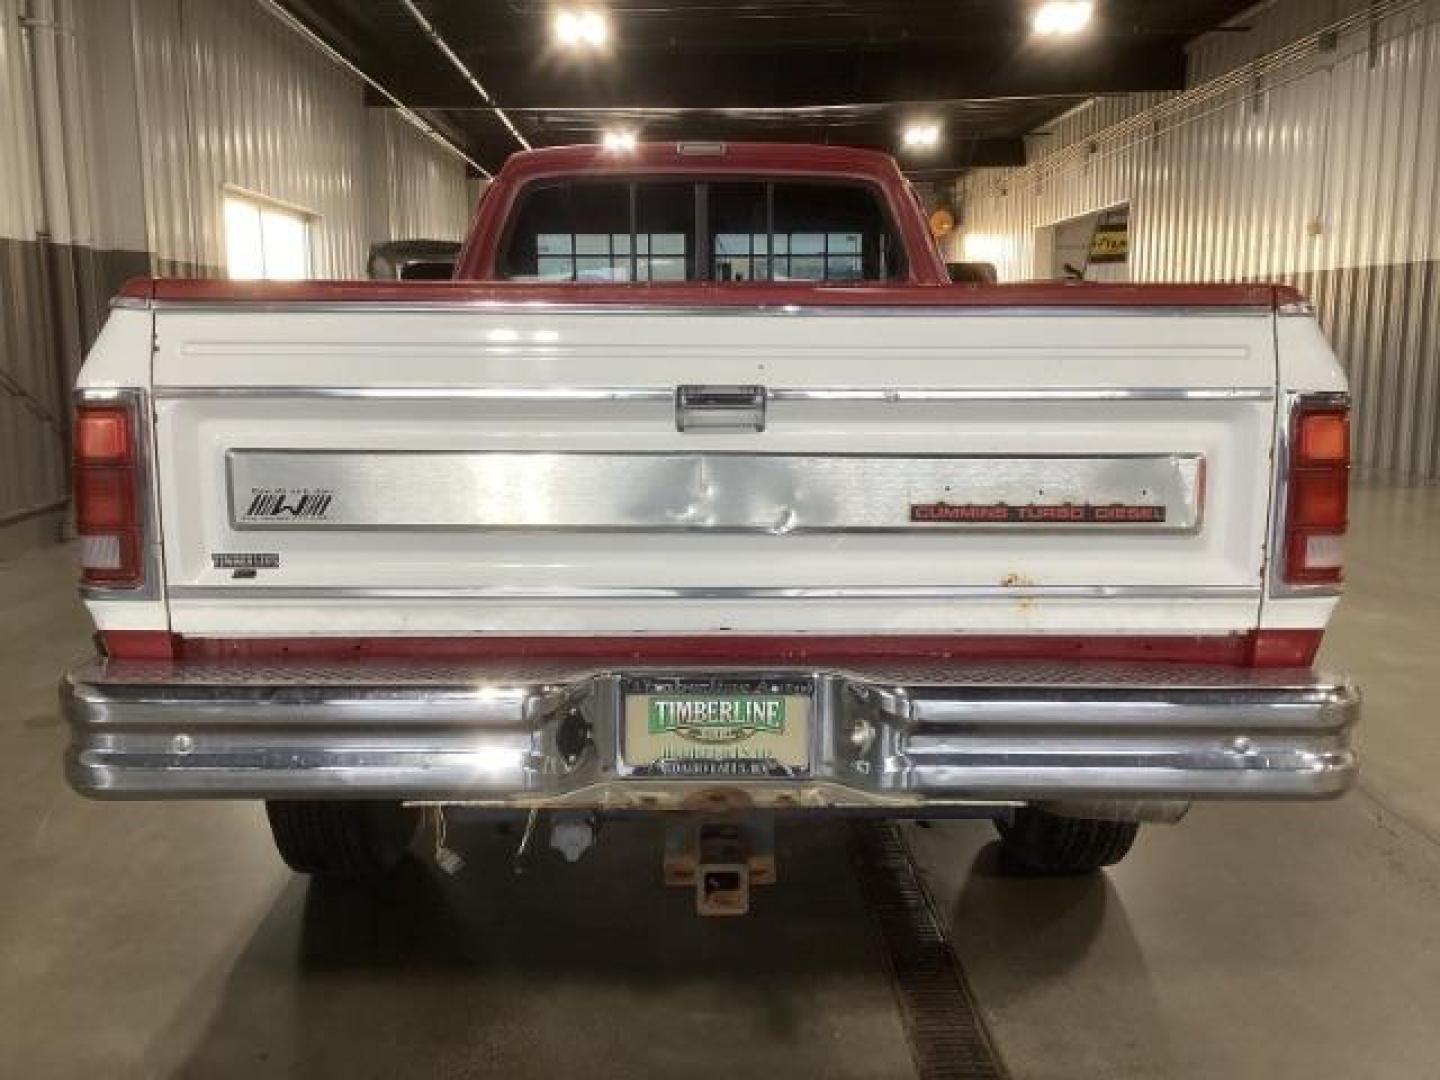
x=413 y=260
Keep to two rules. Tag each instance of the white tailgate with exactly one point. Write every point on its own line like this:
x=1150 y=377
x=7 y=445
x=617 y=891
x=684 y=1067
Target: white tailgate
x=521 y=471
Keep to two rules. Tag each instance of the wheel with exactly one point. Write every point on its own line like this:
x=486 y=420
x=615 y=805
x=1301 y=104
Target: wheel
x=342 y=839
x=1045 y=843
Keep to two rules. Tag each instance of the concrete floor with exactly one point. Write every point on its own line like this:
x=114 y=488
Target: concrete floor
x=141 y=940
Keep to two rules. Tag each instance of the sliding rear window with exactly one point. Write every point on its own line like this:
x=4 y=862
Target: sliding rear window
x=658 y=230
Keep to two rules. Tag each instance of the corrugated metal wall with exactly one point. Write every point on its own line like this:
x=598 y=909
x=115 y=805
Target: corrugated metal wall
x=230 y=96
x=1267 y=27
x=121 y=124
x=32 y=406
x=423 y=197
x=1084 y=121
x=1315 y=164
x=19 y=169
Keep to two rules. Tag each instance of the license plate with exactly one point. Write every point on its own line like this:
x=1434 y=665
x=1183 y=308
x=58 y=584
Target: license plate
x=717 y=726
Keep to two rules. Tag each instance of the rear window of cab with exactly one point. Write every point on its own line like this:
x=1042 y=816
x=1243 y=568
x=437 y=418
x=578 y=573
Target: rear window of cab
x=674 y=230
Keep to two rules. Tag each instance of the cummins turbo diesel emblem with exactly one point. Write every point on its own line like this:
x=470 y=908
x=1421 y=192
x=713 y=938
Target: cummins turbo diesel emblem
x=288 y=503
x=942 y=513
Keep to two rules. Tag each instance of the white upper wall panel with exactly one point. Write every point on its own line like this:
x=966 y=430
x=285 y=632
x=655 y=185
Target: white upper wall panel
x=20 y=214
x=420 y=190
x=1266 y=28
x=1326 y=159
x=230 y=96
x=1084 y=121
x=1316 y=162
x=110 y=120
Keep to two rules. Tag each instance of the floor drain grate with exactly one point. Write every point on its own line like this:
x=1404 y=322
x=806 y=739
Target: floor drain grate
x=948 y=1039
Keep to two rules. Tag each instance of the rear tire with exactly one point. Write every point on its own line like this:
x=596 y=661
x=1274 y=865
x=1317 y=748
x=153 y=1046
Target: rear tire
x=342 y=839
x=1044 y=843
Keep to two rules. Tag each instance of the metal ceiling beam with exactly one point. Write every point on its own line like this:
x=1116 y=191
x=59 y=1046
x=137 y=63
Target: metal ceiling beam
x=372 y=85
x=958 y=149
x=999 y=27
x=762 y=78
x=970 y=63
x=428 y=29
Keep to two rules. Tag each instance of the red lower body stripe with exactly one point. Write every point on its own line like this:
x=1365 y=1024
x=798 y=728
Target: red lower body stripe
x=1264 y=648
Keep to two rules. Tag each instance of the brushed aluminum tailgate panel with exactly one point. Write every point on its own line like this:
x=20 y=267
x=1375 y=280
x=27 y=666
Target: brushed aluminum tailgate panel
x=772 y=493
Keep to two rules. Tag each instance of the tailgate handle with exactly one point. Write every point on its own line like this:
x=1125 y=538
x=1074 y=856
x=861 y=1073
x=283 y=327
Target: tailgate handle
x=720 y=408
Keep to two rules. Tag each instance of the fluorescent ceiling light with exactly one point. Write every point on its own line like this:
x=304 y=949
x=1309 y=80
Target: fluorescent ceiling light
x=922 y=135
x=583 y=29
x=1062 y=18
x=619 y=140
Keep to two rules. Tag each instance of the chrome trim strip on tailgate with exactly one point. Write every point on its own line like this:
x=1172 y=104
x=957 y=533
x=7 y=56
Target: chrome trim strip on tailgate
x=717 y=310
x=777 y=494
x=898 y=395
x=722 y=592
x=547 y=735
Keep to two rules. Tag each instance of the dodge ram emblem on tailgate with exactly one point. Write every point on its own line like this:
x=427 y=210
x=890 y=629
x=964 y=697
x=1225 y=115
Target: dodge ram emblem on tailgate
x=288 y=502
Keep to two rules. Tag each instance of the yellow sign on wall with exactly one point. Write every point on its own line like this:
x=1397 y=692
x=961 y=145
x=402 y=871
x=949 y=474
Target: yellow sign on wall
x=1110 y=242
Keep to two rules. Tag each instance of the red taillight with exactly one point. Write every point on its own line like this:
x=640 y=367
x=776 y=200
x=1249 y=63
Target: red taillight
x=109 y=517
x=102 y=434
x=1317 y=506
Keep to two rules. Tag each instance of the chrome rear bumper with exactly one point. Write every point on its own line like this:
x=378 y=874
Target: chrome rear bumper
x=955 y=734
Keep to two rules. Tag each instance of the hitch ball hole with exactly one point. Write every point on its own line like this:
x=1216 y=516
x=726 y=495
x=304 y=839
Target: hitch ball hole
x=722 y=884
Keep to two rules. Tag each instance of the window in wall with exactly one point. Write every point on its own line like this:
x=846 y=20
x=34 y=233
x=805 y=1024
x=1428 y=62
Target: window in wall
x=263 y=240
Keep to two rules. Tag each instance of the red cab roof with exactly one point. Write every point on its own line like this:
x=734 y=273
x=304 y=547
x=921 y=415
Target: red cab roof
x=706 y=157
x=477 y=260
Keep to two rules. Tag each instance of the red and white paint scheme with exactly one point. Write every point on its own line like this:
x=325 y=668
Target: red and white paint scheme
x=957 y=504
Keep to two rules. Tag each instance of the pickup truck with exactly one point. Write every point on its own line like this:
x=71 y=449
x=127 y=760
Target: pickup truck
x=702 y=492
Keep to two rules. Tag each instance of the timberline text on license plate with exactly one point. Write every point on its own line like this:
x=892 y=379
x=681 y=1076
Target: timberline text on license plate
x=720 y=719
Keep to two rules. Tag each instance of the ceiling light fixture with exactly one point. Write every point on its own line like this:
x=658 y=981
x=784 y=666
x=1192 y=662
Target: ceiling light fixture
x=618 y=141
x=581 y=29
x=922 y=135
x=1062 y=18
